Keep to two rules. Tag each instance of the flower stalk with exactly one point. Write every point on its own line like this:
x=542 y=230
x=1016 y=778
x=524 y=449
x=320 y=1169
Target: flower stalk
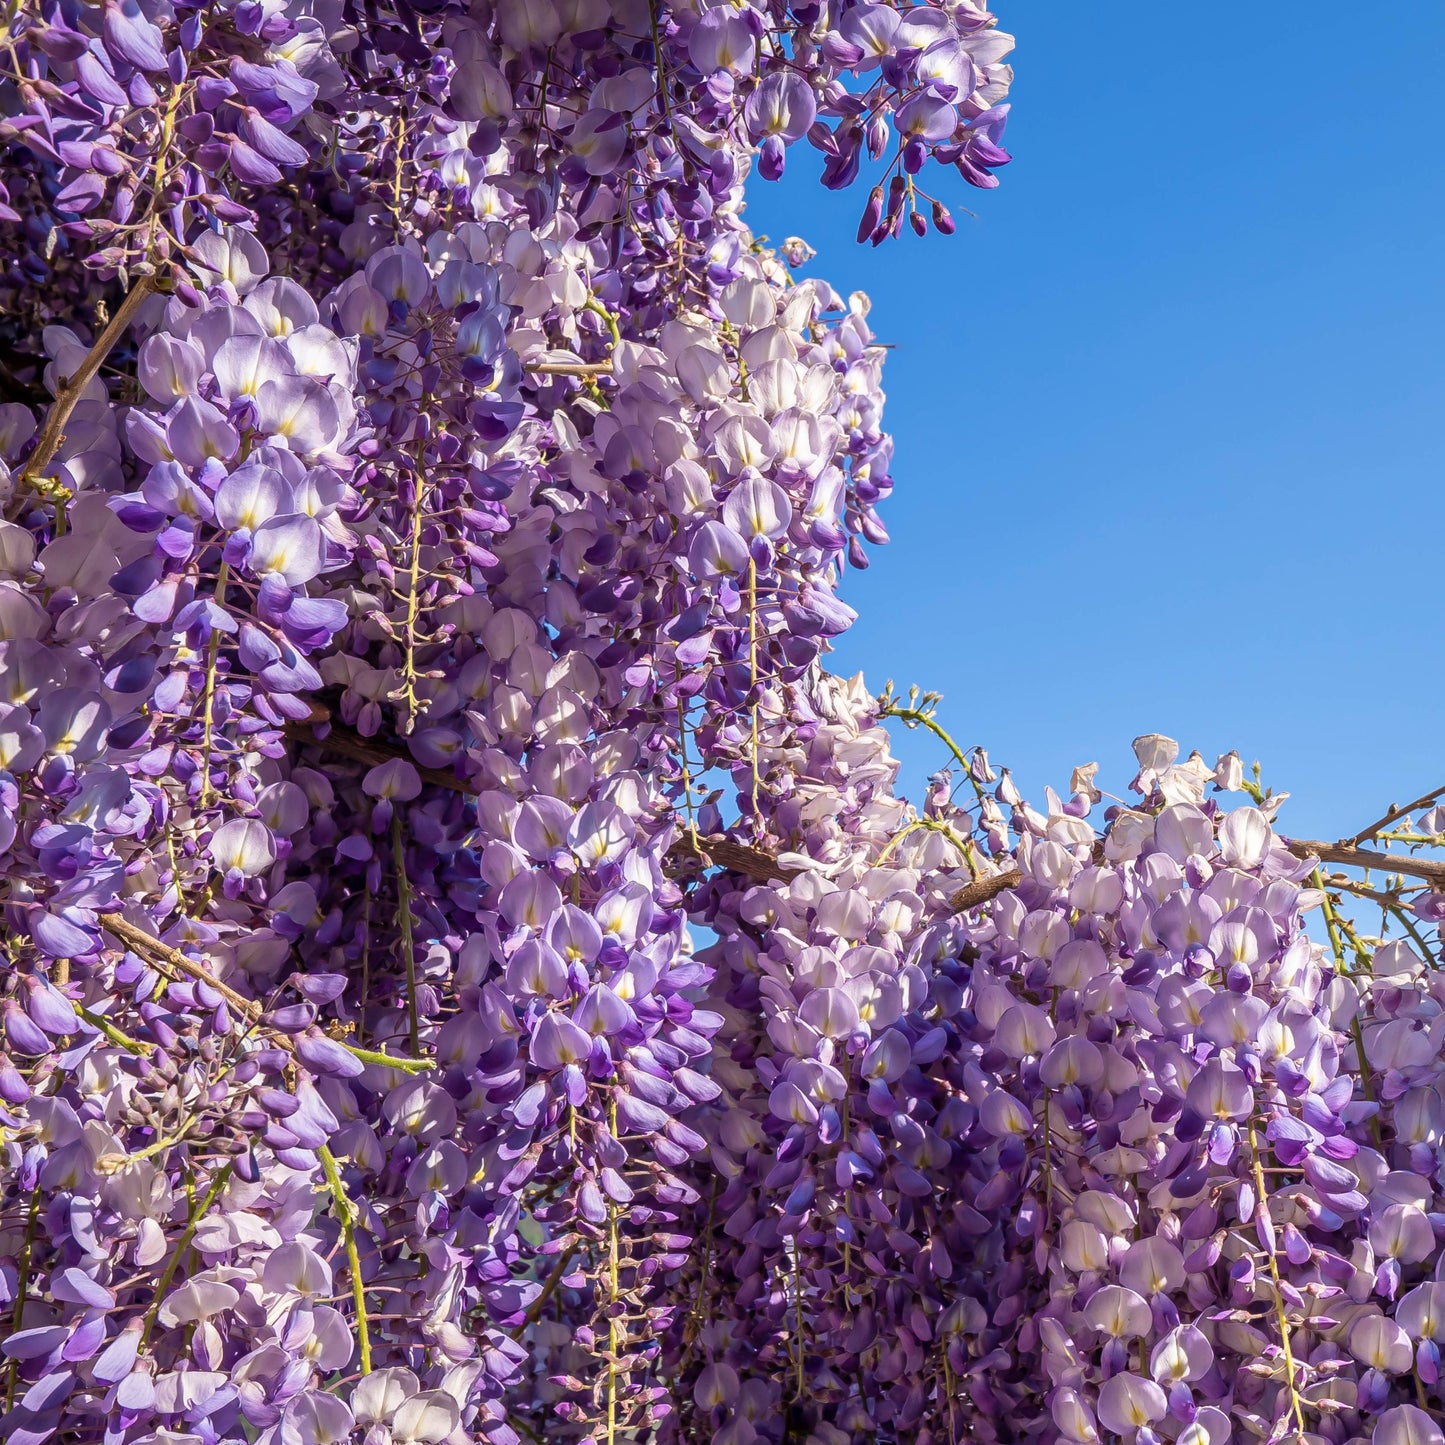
x=346 y=1218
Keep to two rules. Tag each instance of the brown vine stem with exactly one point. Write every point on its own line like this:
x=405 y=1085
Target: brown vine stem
x=571 y=368
x=549 y=1288
x=736 y=857
x=972 y=894
x=1342 y=882
x=1392 y=904
x=1430 y=869
x=53 y=434
x=142 y=943
x=709 y=851
x=346 y=743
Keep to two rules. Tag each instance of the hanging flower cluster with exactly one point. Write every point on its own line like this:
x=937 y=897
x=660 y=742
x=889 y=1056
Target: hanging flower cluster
x=424 y=511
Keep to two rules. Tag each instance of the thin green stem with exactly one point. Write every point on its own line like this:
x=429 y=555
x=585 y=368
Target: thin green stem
x=104 y=1025
x=413 y=609
x=700 y=1312
x=182 y=1245
x=948 y=1387
x=1284 y=1336
x=662 y=94
x=213 y=652
x=365 y=993
x=753 y=669
x=686 y=775
x=801 y=1386
x=916 y=717
x=1332 y=927
x=1048 y=1160
x=614 y=1291
x=549 y=1288
x=346 y=1218
x=598 y=309
x=614 y=1327
x=405 y=919
x=929 y=825
x=22 y=1287
x=389 y=1061
x=110 y=1163
x=175 y=863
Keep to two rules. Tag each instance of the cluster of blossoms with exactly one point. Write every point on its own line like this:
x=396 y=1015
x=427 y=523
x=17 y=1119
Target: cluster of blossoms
x=424 y=511
x=1076 y=1137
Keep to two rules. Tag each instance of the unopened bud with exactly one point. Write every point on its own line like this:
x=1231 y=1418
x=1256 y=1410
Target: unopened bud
x=872 y=214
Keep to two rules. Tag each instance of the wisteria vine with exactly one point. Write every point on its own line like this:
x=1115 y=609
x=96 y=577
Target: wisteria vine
x=469 y=972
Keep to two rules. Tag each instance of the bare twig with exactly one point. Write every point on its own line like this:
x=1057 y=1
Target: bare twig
x=1396 y=905
x=1344 y=883
x=1395 y=811
x=1430 y=869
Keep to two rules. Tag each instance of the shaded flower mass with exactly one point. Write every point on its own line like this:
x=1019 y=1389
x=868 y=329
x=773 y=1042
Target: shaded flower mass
x=469 y=973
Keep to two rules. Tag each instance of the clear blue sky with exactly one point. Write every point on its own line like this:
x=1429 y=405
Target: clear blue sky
x=1171 y=442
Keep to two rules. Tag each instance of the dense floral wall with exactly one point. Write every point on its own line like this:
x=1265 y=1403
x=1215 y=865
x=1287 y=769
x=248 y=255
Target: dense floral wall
x=425 y=509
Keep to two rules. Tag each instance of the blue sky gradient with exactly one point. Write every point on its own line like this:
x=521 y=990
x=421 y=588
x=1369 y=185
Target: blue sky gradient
x=1168 y=407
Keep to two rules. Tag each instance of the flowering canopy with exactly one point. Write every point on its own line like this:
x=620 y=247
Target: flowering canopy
x=424 y=511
